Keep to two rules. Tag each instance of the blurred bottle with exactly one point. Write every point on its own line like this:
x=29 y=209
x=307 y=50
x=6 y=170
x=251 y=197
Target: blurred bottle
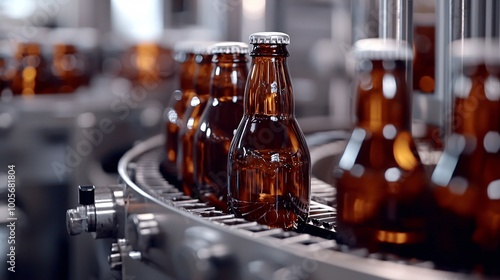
x=269 y=165
x=177 y=105
x=195 y=106
x=424 y=46
x=382 y=190
x=69 y=68
x=32 y=76
x=219 y=122
x=466 y=180
x=147 y=64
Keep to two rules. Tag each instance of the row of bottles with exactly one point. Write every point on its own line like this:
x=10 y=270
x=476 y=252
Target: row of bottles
x=233 y=142
x=231 y=135
x=386 y=202
x=28 y=72
x=65 y=67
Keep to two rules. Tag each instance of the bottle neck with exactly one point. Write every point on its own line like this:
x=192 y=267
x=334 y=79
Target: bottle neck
x=187 y=70
x=269 y=89
x=203 y=75
x=229 y=75
x=383 y=96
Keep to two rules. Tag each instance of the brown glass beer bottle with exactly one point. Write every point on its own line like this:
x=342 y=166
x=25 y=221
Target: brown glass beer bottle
x=147 y=64
x=269 y=166
x=174 y=112
x=32 y=76
x=382 y=189
x=219 y=121
x=68 y=68
x=466 y=180
x=195 y=106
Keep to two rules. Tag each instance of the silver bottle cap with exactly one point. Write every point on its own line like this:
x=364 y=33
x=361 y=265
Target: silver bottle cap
x=269 y=38
x=204 y=48
x=230 y=47
x=474 y=51
x=382 y=49
x=194 y=46
x=186 y=46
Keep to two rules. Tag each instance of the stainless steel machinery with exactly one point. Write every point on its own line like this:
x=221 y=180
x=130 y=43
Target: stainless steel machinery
x=157 y=232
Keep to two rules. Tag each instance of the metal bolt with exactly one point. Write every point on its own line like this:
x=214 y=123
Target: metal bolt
x=135 y=255
x=143 y=228
x=115 y=260
x=74 y=222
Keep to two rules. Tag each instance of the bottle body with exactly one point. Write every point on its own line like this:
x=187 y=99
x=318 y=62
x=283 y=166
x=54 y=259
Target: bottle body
x=217 y=126
x=382 y=189
x=466 y=181
x=269 y=164
x=269 y=172
x=380 y=201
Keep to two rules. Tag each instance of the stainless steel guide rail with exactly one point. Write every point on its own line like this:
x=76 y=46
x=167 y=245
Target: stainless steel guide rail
x=182 y=238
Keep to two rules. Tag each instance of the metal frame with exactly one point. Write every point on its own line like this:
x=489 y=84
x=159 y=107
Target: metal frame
x=186 y=241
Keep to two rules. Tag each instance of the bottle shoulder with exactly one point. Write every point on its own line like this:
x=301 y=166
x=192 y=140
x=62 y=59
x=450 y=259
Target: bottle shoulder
x=268 y=134
x=468 y=160
x=380 y=152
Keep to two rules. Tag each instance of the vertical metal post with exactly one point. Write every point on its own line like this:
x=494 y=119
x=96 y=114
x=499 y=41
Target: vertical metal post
x=443 y=76
x=396 y=20
x=478 y=18
x=492 y=19
x=385 y=19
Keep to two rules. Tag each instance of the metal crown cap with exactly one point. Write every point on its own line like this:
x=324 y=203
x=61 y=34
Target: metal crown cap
x=193 y=46
x=382 y=49
x=204 y=48
x=185 y=46
x=230 y=47
x=473 y=51
x=269 y=38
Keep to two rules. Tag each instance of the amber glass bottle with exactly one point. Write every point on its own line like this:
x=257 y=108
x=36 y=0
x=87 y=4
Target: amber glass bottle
x=195 y=106
x=466 y=180
x=382 y=189
x=147 y=64
x=32 y=76
x=269 y=166
x=219 y=122
x=68 y=68
x=178 y=103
